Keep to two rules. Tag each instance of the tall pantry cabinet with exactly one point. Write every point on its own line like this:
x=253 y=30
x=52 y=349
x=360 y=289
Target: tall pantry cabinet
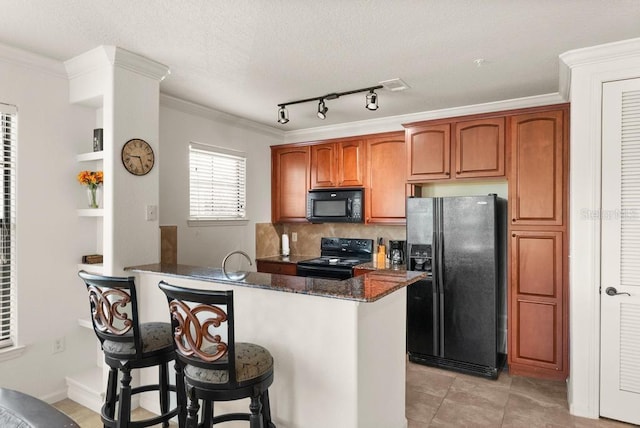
x=538 y=268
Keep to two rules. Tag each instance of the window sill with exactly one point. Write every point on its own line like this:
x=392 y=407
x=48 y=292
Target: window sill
x=191 y=222
x=11 y=352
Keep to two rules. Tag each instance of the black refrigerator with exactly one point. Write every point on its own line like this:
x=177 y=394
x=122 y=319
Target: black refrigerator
x=456 y=318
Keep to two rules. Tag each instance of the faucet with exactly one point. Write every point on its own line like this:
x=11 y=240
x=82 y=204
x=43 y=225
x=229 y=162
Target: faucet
x=238 y=275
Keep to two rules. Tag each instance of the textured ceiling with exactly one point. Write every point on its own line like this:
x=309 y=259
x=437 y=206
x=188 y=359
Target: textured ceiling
x=244 y=57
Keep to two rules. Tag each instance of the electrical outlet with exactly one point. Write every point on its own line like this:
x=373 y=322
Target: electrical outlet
x=58 y=345
x=294 y=237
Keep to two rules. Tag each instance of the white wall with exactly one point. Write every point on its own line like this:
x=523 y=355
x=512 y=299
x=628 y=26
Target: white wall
x=50 y=295
x=182 y=123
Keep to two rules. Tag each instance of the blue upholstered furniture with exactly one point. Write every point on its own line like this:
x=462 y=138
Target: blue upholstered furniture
x=18 y=410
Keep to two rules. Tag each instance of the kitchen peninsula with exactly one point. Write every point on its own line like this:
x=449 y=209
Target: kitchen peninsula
x=338 y=346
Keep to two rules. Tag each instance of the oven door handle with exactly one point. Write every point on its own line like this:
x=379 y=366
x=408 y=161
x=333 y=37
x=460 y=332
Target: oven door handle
x=323 y=268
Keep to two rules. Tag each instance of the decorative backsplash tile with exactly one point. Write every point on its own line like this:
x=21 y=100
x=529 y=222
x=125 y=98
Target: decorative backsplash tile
x=268 y=236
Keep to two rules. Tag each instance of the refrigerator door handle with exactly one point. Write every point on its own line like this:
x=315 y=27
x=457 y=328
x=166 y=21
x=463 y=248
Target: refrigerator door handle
x=441 y=289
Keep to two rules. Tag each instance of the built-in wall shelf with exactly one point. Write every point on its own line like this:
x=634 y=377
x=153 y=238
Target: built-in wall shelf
x=96 y=268
x=84 y=323
x=90 y=212
x=91 y=156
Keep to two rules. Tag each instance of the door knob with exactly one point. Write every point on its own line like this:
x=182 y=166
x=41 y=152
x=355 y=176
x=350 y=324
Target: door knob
x=611 y=291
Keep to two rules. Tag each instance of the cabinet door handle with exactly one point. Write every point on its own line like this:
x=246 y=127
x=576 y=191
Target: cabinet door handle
x=513 y=235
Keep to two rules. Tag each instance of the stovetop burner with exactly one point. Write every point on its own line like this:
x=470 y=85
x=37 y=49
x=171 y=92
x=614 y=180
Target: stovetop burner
x=341 y=254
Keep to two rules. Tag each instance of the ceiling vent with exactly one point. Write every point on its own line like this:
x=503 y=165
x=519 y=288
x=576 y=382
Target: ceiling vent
x=394 y=85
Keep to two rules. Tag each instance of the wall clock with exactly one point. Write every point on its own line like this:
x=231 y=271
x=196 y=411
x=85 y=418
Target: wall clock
x=137 y=156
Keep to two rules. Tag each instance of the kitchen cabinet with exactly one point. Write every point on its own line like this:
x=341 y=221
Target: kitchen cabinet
x=538 y=253
x=338 y=164
x=280 y=268
x=471 y=148
x=538 y=325
x=386 y=179
x=289 y=183
x=428 y=152
x=480 y=148
x=537 y=184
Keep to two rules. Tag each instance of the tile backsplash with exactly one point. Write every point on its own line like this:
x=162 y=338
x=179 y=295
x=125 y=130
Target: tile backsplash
x=268 y=241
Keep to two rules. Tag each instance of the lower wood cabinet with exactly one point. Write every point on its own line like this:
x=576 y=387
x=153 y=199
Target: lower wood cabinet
x=538 y=326
x=276 y=267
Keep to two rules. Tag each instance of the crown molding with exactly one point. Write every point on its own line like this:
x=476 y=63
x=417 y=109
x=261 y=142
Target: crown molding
x=394 y=123
x=189 y=107
x=23 y=58
x=137 y=63
x=601 y=53
x=103 y=56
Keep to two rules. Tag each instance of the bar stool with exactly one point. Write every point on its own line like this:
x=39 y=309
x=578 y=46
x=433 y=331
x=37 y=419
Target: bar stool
x=215 y=366
x=128 y=344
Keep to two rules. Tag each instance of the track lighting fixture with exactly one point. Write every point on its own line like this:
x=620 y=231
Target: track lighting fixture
x=322 y=110
x=283 y=115
x=372 y=102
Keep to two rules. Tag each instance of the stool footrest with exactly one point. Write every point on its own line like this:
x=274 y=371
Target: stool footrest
x=111 y=422
x=231 y=417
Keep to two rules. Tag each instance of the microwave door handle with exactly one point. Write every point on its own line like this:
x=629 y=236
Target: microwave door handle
x=349 y=207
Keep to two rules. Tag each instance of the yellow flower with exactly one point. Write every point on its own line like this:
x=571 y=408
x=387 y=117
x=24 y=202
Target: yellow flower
x=91 y=178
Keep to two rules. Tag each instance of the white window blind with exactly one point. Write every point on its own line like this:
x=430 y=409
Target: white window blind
x=8 y=131
x=217 y=183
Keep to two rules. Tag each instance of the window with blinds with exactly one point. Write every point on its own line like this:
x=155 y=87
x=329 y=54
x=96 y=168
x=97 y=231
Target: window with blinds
x=8 y=124
x=217 y=183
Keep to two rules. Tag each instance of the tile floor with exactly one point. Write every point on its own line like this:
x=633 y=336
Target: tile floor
x=441 y=398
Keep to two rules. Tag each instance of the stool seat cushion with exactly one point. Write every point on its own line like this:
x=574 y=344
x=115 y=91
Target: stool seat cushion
x=252 y=361
x=154 y=335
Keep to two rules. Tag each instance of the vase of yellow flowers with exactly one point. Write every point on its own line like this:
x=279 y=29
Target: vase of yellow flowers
x=93 y=180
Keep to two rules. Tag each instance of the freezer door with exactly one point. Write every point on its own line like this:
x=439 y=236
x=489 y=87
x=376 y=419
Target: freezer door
x=469 y=282
x=422 y=316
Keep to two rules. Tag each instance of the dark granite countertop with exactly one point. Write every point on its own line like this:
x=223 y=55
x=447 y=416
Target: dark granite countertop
x=364 y=288
x=285 y=259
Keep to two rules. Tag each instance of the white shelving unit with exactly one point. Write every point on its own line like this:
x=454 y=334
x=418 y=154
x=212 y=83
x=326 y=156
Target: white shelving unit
x=123 y=88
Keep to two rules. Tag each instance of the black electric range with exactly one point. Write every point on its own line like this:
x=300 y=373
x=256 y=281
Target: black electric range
x=337 y=258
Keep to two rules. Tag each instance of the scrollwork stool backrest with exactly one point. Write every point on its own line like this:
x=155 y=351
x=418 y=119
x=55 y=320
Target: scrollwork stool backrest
x=203 y=327
x=114 y=308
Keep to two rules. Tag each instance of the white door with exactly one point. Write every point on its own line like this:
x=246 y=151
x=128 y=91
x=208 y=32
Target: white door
x=620 y=219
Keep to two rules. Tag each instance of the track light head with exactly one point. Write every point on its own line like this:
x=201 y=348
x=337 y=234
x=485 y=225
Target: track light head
x=283 y=115
x=372 y=100
x=322 y=110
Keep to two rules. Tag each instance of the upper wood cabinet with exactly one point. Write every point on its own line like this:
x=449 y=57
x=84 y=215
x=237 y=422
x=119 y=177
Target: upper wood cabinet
x=323 y=165
x=339 y=164
x=536 y=188
x=479 y=148
x=386 y=176
x=428 y=152
x=289 y=183
x=471 y=149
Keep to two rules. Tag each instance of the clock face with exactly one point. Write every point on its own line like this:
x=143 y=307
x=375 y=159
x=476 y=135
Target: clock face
x=137 y=156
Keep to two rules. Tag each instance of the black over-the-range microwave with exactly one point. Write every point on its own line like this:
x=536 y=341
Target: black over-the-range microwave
x=335 y=205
